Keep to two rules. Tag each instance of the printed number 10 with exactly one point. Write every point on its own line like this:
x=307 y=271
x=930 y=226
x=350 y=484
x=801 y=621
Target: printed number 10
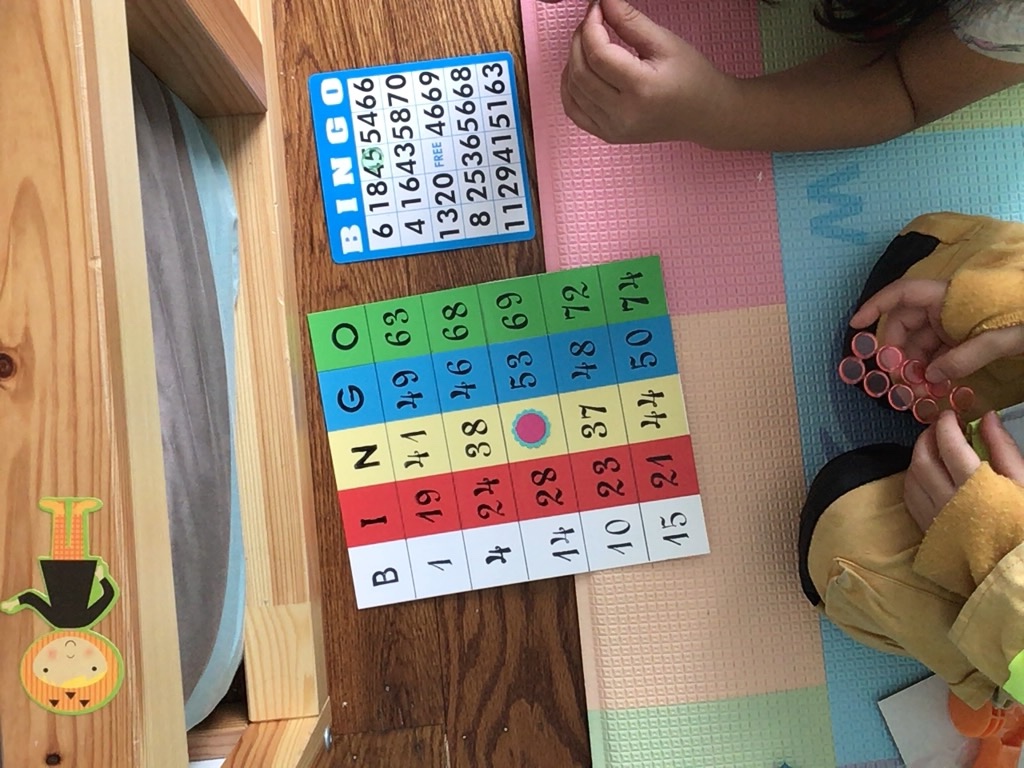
x=621 y=528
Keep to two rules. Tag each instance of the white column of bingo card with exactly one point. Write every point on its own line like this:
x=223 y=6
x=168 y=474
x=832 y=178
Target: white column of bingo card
x=399 y=109
x=366 y=97
x=408 y=161
x=506 y=169
x=431 y=145
x=472 y=192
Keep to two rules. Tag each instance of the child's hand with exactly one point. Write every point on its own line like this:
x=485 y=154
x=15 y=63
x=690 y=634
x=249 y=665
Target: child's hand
x=666 y=91
x=913 y=310
x=943 y=460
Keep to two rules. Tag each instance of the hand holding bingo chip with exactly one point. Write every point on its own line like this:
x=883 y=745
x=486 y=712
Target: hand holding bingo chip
x=913 y=323
x=884 y=371
x=653 y=86
x=943 y=460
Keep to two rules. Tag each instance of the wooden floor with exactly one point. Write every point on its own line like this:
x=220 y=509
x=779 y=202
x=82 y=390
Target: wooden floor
x=489 y=679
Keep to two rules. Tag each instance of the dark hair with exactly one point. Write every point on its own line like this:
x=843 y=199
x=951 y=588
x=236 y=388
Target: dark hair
x=874 y=21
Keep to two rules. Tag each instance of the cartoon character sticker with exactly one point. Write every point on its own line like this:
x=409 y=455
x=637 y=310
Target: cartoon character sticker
x=72 y=670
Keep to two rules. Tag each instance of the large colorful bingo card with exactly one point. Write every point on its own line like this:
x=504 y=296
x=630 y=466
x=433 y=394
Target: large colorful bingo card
x=420 y=157
x=508 y=431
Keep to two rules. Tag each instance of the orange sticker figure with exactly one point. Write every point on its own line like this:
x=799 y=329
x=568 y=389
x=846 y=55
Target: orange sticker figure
x=73 y=670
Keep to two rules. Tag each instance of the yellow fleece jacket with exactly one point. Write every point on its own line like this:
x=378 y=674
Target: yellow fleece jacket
x=975 y=547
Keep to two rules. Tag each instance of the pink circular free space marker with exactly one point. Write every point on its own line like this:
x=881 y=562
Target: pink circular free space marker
x=939 y=389
x=864 y=345
x=852 y=370
x=901 y=397
x=962 y=399
x=531 y=428
x=889 y=358
x=876 y=383
x=926 y=410
x=912 y=371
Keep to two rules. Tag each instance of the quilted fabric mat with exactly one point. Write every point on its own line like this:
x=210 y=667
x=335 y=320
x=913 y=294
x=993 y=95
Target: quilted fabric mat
x=719 y=661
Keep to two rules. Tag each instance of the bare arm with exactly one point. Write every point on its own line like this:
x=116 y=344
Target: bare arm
x=855 y=96
x=851 y=96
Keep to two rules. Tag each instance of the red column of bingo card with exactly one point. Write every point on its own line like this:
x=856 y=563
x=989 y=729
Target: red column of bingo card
x=418 y=441
x=652 y=401
x=531 y=416
x=476 y=449
x=363 y=468
x=606 y=488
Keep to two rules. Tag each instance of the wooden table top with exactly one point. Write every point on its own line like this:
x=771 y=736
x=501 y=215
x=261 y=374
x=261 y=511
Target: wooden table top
x=489 y=679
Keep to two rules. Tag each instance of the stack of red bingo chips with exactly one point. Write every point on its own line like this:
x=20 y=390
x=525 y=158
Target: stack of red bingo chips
x=884 y=371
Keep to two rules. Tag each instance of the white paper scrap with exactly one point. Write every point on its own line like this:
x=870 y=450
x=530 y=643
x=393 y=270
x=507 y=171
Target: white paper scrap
x=918 y=719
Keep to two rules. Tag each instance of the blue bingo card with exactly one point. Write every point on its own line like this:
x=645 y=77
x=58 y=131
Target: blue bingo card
x=419 y=157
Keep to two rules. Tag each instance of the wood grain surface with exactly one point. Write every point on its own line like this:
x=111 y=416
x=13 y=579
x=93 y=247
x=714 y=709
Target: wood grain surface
x=490 y=679
x=409 y=748
x=216 y=737
x=203 y=51
x=294 y=743
x=78 y=403
x=285 y=674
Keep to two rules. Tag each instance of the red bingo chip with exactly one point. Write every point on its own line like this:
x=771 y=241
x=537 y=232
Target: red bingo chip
x=876 y=383
x=864 y=345
x=962 y=399
x=912 y=371
x=852 y=370
x=926 y=410
x=901 y=397
x=939 y=389
x=889 y=358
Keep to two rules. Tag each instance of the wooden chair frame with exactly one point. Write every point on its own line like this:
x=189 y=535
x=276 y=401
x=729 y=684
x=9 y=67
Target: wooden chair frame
x=78 y=394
